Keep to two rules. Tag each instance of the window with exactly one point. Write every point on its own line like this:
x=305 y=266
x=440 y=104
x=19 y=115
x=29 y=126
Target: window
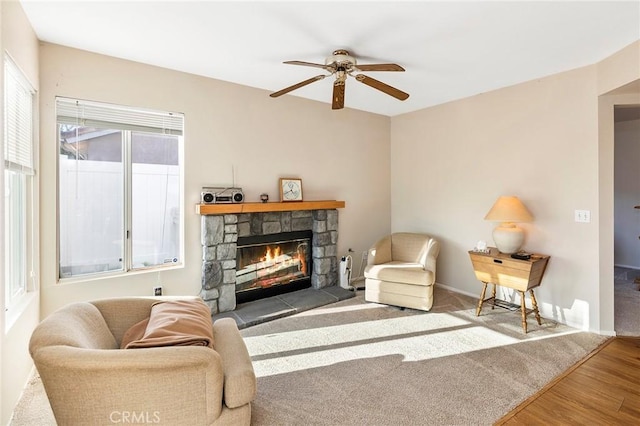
x=119 y=188
x=18 y=173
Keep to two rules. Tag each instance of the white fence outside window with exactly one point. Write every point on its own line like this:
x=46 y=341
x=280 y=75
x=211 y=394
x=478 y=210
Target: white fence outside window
x=92 y=213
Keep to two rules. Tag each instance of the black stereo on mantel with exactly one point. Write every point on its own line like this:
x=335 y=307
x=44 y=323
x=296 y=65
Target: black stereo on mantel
x=211 y=195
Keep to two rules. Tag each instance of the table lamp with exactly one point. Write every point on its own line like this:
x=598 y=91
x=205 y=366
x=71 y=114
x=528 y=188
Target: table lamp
x=507 y=210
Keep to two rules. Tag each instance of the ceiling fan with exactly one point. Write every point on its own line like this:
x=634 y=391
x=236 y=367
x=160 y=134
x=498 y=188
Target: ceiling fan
x=342 y=64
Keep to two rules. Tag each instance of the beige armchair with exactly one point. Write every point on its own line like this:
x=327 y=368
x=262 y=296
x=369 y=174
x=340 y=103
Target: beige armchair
x=401 y=270
x=90 y=380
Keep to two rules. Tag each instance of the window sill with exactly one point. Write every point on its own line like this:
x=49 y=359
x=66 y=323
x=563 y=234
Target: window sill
x=117 y=274
x=15 y=311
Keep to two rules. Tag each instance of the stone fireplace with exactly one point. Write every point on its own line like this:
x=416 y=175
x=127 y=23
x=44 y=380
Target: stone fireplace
x=220 y=234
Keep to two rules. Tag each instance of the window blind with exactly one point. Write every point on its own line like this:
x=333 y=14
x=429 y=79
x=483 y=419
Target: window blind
x=107 y=116
x=18 y=119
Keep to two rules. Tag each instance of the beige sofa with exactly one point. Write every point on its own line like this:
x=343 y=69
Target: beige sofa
x=401 y=270
x=90 y=380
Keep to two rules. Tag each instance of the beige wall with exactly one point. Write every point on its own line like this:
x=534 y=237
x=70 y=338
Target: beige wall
x=18 y=39
x=536 y=140
x=543 y=141
x=619 y=70
x=338 y=154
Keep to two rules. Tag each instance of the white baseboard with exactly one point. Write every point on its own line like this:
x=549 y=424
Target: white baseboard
x=457 y=290
x=637 y=268
x=569 y=324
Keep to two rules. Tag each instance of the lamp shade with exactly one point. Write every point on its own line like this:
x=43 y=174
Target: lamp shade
x=508 y=209
x=507 y=236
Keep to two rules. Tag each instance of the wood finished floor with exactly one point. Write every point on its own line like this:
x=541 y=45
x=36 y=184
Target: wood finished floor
x=603 y=389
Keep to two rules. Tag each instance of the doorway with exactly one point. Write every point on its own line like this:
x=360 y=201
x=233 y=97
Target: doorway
x=627 y=220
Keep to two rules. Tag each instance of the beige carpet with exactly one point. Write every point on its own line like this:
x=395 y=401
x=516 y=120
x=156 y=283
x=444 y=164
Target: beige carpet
x=356 y=363
x=626 y=302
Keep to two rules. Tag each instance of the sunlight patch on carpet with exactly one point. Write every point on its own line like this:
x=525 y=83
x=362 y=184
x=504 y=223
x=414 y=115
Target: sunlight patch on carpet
x=350 y=334
x=413 y=338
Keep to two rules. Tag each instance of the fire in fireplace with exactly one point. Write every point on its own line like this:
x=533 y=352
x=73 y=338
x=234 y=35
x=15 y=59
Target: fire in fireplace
x=268 y=265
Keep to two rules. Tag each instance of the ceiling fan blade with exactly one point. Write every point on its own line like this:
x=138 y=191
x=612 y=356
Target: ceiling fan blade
x=297 y=86
x=379 y=67
x=338 y=95
x=389 y=90
x=310 y=64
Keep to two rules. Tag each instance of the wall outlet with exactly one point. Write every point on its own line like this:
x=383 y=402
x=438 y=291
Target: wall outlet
x=157 y=291
x=583 y=216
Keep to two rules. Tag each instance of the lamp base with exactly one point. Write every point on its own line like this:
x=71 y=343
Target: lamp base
x=508 y=238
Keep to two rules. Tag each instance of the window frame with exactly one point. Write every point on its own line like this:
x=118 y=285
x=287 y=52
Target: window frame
x=128 y=268
x=16 y=256
x=23 y=165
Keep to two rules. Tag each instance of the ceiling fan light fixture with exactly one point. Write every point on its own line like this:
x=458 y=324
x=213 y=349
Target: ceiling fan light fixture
x=341 y=58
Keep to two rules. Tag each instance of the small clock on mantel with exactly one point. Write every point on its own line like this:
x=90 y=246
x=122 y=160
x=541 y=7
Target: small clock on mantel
x=290 y=189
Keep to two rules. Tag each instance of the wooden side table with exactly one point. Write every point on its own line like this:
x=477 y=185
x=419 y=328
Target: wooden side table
x=503 y=270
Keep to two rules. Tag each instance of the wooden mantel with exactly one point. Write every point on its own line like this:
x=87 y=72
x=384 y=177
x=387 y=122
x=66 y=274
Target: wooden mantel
x=205 y=209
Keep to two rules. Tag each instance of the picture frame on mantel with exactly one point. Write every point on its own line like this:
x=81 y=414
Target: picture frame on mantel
x=290 y=189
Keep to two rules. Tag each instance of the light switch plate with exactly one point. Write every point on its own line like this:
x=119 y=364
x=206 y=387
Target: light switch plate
x=583 y=216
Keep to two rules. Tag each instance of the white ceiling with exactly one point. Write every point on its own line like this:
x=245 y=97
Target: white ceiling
x=450 y=49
